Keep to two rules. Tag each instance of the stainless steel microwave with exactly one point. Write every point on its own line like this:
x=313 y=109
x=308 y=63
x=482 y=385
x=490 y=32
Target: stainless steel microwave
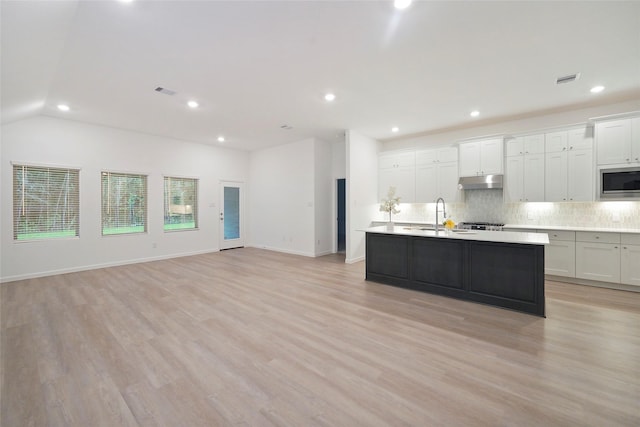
x=620 y=183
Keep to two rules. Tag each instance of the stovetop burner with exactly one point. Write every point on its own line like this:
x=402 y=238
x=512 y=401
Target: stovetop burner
x=491 y=226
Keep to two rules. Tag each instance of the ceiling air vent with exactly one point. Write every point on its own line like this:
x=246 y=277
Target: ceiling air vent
x=567 y=79
x=165 y=91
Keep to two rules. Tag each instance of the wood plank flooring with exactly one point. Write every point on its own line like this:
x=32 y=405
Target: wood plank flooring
x=250 y=337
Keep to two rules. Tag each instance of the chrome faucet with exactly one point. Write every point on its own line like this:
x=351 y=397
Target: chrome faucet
x=444 y=212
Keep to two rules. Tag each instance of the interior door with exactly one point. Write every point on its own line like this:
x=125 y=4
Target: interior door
x=231 y=212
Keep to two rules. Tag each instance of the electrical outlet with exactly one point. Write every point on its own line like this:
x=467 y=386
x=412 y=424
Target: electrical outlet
x=615 y=217
x=531 y=215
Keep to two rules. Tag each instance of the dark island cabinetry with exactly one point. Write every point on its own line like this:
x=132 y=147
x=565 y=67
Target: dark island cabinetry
x=508 y=275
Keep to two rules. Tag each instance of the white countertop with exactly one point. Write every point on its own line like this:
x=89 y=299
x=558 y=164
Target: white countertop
x=571 y=228
x=538 y=227
x=478 y=235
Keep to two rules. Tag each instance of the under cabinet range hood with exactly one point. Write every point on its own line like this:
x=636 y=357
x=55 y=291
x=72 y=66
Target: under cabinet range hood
x=480 y=182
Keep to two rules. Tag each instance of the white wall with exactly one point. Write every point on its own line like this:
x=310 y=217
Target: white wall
x=362 y=191
x=324 y=197
x=55 y=142
x=282 y=198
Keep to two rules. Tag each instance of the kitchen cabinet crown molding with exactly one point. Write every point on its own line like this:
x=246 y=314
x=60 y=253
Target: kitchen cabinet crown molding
x=627 y=115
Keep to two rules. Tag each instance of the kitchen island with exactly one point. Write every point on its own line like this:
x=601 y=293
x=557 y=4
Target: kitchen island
x=500 y=268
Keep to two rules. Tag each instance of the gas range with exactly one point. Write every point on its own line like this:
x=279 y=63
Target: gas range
x=489 y=226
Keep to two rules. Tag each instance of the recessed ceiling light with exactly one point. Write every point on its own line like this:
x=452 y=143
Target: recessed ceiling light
x=221 y=138
x=475 y=113
x=402 y=4
x=63 y=107
x=395 y=129
x=597 y=89
x=193 y=104
x=329 y=97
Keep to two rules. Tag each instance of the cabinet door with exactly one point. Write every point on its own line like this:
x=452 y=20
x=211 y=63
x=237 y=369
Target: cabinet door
x=448 y=181
x=448 y=155
x=555 y=188
x=515 y=146
x=556 y=142
x=491 y=156
x=514 y=179
x=405 y=182
x=534 y=177
x=406 y=159
x=630 y=267
x=386 y=179
x=580 y=139
x=469 y=164
x=635 y=139
x=560 y=258
x=426 y=157
x=613 y=141
x=427 y=183
x=534 y=144
x=580 y=175
x=598 y=261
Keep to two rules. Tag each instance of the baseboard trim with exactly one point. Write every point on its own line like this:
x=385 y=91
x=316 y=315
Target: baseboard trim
x=101 y=265
x=595 y=283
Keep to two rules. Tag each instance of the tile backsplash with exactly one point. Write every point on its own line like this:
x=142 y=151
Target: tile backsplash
x=489 y=206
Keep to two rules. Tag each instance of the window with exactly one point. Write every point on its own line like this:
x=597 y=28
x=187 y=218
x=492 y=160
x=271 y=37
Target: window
x=45 y=202
x=180 y=203
x=124 y=203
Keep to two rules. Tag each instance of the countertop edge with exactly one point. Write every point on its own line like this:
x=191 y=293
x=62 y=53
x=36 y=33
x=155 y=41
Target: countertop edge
x=522 y=238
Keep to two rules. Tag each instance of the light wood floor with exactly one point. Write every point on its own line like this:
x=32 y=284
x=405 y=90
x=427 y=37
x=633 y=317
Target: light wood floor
x=256 y=338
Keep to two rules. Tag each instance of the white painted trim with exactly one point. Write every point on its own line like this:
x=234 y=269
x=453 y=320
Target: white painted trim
x=97 y=266
x=595 y=283
x=284 y=251
x=354 y=260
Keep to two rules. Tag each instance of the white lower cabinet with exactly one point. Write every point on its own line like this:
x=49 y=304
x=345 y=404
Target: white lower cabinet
x=598 y=256
x=560 y=254
x=630 y=260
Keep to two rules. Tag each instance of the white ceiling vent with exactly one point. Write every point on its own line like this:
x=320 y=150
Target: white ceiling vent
x=567 y=79
x=165 y=91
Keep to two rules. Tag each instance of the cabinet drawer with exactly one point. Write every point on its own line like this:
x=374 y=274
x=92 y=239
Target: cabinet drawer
x=567 y=236
x=630 y=239
x=596 y=237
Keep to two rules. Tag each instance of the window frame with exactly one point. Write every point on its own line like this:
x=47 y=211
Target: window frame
x=45 y=235
x=194 y=207
x=145 y=203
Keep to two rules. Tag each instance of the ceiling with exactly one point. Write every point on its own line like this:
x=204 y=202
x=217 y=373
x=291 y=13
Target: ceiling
x=255 y=66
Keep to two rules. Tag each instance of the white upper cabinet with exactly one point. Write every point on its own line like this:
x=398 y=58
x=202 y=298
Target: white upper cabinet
x=524 y=169
x=569 y=168
x=397 y=169
x=437 y=175
x=530 y=144
x=618 y=141
x=481 y=157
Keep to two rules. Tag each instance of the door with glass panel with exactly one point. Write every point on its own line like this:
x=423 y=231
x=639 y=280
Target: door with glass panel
x=231 y=211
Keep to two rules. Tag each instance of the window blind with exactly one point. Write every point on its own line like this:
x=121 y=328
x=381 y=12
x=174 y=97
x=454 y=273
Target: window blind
x=46 y=202
x=180 y=203
x=124 y=203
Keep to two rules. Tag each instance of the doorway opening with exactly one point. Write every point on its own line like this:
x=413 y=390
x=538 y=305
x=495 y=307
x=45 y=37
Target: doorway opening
x=341 y=203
